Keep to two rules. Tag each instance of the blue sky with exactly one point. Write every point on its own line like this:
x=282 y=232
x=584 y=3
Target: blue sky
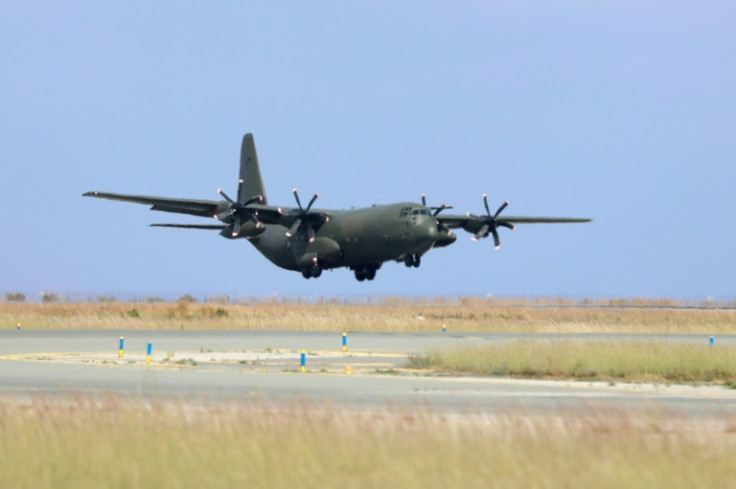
x=620 y=111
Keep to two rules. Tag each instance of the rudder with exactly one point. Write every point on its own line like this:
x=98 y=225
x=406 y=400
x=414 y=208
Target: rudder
x=250 y=172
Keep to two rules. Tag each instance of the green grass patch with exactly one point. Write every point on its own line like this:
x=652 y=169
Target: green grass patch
x=610 y=360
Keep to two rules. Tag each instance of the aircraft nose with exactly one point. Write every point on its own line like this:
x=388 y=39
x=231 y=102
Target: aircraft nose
x=427 y=231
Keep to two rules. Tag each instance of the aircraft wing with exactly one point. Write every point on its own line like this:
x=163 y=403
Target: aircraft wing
x=288 y=217
x=473 y=224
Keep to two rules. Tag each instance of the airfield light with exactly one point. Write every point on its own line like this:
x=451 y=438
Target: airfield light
x=344 y=342
x=303 y=361
x=148 y=353
x=121 y=347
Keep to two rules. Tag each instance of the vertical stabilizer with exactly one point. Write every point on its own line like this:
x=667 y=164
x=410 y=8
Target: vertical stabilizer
x=250 y=172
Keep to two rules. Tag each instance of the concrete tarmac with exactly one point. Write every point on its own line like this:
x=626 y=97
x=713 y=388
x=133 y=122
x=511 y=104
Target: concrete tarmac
x=264 y=366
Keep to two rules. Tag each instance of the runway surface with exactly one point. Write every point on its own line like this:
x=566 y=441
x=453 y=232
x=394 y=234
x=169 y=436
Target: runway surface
x=264 y=366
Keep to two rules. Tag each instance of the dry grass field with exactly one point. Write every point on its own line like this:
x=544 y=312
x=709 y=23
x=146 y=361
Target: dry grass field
x=466 y=314
x=642 y=361
x=86 y=443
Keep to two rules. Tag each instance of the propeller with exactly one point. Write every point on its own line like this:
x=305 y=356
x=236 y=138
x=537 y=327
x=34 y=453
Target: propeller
x=303 y=218
x=436 y=210
x=238 y=210
x=490 y=224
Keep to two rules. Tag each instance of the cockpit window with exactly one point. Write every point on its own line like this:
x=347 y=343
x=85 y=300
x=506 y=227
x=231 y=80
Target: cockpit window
x=409 y=211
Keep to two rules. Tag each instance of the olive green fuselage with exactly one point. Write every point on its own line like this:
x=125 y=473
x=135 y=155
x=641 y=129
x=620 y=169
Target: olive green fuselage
x=355 y=238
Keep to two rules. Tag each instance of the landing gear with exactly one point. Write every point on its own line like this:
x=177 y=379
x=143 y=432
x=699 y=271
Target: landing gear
x=413 y=261
x=365 y=273
x=312 y=272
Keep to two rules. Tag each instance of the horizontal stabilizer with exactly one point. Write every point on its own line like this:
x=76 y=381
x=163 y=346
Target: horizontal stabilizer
x=202 y=208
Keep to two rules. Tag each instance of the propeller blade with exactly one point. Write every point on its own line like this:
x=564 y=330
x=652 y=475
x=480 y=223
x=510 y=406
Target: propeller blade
x=224 y=196
x=496 y=239
x=309 y=206
x=257 y=198
x=236 y=227
x=240 y=188
x=485 y=203
x=252 y=218
x=507 y=225
x=441 y=208
x=310 y=232
x=294 y=227
x=224 y=215
x=500 y=209
x=482 y=233
x=424 y=200
x=298 y=202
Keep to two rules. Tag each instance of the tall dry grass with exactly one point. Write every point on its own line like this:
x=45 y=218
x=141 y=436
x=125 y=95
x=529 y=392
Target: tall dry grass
x=610 y=360
x=458 y=316
x=108 y=443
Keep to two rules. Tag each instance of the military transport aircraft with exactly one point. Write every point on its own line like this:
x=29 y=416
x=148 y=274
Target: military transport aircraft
x=311 y=240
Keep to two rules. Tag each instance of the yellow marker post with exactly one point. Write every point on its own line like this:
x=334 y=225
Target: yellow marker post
x=303 y=361
x=148 y=354
x=18 y=327
x=344 y=342
x=121 y=348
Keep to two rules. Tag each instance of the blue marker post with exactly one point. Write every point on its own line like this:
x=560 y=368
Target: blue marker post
x=712 y=341
x=148 y=354
x=303 y=361
x=344 y=342
x=121 y=347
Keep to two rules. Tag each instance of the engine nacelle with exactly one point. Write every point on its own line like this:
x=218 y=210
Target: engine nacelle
x=444 y=238
x=327 y=251
x=247 y=230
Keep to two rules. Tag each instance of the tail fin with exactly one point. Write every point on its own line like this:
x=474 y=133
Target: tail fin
x=250 y=173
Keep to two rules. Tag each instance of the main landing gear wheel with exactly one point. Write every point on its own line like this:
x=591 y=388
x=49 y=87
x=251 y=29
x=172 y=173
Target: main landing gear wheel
x=413 y=261
x=367 y=273
x=312 y=272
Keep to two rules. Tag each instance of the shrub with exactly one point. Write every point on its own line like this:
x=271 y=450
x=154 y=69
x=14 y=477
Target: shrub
x=48 y=297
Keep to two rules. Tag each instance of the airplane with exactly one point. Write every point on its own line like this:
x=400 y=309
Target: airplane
x=310 y=240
